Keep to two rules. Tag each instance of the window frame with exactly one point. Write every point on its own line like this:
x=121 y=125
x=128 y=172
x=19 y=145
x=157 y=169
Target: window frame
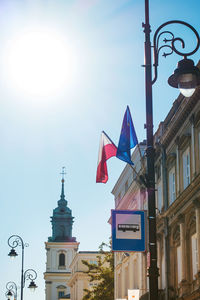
x=172 y=185
x=61 y=260
x=186 y=165
x=59 y=253
x=59 y=294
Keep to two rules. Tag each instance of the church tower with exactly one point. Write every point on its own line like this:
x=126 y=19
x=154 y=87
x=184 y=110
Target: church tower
x=60 y=250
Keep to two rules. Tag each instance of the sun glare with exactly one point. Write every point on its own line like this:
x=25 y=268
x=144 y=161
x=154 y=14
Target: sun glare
x=40 y=63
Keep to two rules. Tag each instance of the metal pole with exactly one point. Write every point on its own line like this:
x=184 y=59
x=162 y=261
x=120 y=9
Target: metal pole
x=153 y=271
x=13 y=242
x=22 y=271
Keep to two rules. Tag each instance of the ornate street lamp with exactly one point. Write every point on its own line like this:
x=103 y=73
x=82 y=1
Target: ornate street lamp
x=11 y=290
x=30 y=274
x=186 y=77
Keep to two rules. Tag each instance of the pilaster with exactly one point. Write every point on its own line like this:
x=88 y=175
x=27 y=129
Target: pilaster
x=183 y=284
x=193 y=146
x=123 y=281
x=131 y=271
x=159 y=258
x=48 y=285
x=196 y=203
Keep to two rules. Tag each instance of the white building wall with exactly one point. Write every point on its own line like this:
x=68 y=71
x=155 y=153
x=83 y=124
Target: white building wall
x=56 y=278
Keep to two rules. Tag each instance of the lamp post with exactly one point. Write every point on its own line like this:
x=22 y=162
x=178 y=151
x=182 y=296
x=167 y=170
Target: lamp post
x=186 y=77
x=11 y=290
x=30 y=274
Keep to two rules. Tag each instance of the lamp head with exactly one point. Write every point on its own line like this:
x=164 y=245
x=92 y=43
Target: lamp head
x=9 y=294
x=12 y=253
x=32 y=286
x=186 y=77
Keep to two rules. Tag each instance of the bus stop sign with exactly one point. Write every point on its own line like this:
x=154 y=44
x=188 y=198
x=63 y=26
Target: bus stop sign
x=128 y=230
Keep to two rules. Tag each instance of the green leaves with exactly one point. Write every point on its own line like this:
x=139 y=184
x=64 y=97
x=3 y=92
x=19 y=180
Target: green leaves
x=101 y=275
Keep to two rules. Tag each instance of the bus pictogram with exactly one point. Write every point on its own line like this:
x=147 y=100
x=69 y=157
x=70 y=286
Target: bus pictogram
x=128 y=227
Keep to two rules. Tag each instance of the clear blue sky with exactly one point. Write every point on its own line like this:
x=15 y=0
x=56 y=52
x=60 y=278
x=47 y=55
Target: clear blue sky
x=53 y=108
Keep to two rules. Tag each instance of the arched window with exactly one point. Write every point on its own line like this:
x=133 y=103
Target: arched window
x=61 y=259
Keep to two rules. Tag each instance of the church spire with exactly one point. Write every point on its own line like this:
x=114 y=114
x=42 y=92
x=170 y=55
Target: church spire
x=62 y=219
x=63 y=173
x=62 y=201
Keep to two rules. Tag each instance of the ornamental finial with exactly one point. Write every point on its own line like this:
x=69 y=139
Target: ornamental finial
x=62 y=196
x=63 y=173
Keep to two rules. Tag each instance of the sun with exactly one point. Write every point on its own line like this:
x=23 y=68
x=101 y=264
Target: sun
x=40 y=62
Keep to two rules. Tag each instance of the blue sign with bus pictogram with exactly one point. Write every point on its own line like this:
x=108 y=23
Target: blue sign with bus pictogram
x=128 y=230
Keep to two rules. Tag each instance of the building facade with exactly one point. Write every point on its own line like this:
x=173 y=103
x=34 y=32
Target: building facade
x=79 y=279
x=130 y=194
x=177 y=143
x=60 y=251
x=177 y=178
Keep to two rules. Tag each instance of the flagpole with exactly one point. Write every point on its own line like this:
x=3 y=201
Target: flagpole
x=134 y=170
x=141 y=157
x=141 y=179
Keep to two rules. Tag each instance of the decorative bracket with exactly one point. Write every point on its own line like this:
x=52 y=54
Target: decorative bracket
x=171 y=39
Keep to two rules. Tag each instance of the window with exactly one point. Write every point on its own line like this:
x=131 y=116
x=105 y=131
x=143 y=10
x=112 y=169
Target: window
x=61 y=260
x=92 y=284
x=93 y=262
x=60 y=294
x=172 y=186
x=186 y=168
x=194 y=255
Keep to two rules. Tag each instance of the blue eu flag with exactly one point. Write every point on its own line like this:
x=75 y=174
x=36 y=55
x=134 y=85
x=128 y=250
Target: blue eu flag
x=128 y=138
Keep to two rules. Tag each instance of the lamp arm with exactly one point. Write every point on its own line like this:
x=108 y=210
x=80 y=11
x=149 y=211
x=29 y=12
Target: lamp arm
x=15 y=240
x=30 y=274
x=172 y=47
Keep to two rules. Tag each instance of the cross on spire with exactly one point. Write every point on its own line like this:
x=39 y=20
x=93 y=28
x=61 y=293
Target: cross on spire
x=63 y=173
x=62 y=196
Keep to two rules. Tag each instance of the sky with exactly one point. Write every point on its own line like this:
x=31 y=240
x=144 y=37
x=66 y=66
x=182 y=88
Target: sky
x=68 y=69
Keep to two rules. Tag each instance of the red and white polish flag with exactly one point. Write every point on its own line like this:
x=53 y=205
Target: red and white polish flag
x=107 y=149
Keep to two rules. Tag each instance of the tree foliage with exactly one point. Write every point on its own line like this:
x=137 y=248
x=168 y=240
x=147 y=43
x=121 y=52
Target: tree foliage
x=101 y=275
